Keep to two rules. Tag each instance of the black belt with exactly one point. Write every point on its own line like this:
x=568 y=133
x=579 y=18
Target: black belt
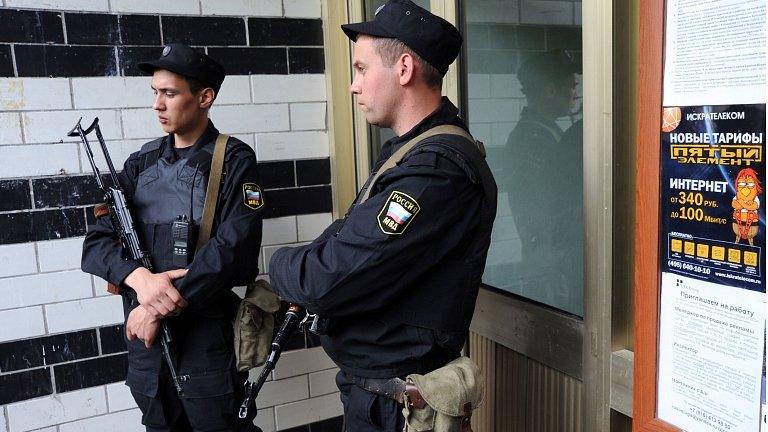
x=393 y=388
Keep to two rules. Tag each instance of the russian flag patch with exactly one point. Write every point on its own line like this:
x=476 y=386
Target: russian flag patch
x=397 y=213
x=253 y=196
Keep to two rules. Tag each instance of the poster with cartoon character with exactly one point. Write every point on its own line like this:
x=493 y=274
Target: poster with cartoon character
x=712 y=244
x=713 y=171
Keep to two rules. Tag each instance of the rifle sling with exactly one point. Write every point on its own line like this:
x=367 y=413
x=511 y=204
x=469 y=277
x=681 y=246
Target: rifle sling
x=212 y=191
x=402 y=151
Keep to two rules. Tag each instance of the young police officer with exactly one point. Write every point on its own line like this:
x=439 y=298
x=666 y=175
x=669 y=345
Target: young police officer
x=396 y=280
x=164 y=182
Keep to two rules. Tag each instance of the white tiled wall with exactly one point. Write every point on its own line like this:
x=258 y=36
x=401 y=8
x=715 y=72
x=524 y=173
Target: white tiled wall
x=53 y=410
x=307 y=411
x=17 y=259
x=21 y=323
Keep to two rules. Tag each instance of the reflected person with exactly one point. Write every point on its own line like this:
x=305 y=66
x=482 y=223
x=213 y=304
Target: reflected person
x=544 y=182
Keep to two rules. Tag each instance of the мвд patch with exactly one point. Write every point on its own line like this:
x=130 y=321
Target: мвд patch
x=398 y=212
x=253 y=197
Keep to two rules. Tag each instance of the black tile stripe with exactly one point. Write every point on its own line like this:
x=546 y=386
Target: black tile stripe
x=287 y=202
x=306 y=60
x=66 y=222
x=313 y=172
x=113 y=337
x=107 y=29
x=90 y=373
x=192 y=30
x=23 y=227
x=93 y=41
x=25 y=385
x=6 y=61
x=243 y=61
x=274 y=175
x=30 y=26
x=92 y=29
x=15 y=195
x=66 y=191
x=56 y=224
x=47 y=350
x=139 y=29
x=130 y=57
x=285 y=31
x=65 y=61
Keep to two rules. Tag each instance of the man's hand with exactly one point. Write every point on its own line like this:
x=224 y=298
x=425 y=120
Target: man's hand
x=142 y=325
x=156 y=291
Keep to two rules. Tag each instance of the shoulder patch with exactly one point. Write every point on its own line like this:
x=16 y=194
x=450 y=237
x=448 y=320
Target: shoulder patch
x=398 y=212
x=253 y=197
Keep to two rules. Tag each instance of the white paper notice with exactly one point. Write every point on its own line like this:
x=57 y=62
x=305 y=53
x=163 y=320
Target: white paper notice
x=710 y=355
x=715 y=52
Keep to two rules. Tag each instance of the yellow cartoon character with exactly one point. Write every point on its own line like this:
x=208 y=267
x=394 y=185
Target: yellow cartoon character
x=745 y=205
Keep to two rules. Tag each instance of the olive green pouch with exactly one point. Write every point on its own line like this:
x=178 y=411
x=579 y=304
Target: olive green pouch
x=254 y=324
x=451 y=393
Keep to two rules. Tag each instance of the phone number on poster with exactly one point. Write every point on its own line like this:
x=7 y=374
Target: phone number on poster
x=688 y=267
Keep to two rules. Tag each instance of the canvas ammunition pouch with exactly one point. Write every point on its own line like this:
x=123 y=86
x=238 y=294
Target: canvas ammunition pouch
x=450 y=393
x=254 y=325
x=440 y=401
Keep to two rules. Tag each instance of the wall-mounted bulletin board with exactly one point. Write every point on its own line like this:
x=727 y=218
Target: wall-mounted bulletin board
x=700 y=286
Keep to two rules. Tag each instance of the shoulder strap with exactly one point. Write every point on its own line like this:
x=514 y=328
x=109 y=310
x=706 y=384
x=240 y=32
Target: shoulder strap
x=402 y=151
x=212 y=192
x=150 y=153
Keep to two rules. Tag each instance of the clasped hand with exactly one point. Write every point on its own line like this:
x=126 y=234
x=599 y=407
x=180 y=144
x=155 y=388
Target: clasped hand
x=156 y=292
x=142 y=325
x=157 y=297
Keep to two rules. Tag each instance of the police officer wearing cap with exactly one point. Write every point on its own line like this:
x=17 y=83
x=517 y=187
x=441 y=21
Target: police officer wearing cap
x=165 y=182
x=395 y=281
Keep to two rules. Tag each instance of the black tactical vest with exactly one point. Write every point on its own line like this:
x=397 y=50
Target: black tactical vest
x=164 y=191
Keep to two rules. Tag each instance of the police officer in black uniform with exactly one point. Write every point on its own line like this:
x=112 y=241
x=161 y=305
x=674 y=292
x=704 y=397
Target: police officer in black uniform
x=395 y=281
x=166 y=181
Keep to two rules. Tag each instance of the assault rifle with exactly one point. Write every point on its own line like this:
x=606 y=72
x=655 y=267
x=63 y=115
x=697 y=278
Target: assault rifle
x=122 y=223
x=291 y=322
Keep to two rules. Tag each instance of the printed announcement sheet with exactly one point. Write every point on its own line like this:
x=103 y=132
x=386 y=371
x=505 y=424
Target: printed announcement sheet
x=714 y=52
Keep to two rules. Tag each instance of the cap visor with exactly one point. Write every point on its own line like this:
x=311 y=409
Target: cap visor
x=369 y=28
x=150 y=67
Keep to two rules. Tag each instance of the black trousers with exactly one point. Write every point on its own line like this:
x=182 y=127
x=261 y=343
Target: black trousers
x=368 y=412
x=168 y=413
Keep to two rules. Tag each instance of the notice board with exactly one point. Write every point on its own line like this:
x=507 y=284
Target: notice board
x=701 y=252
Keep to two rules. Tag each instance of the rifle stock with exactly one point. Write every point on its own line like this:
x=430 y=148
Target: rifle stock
x=116 y=206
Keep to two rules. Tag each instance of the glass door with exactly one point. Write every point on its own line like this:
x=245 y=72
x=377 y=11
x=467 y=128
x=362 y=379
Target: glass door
x=523 y=75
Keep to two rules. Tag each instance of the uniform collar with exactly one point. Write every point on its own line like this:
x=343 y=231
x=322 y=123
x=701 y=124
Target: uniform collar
x=209 y=135
x=446 y=113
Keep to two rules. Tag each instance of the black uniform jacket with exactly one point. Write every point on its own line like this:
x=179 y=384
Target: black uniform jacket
x=397 y=278
x=202 y=333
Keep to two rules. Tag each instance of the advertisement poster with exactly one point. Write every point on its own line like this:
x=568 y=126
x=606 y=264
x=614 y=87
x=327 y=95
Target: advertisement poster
x=712 y=323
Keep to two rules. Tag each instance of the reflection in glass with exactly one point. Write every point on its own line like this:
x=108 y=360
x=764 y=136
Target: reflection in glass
x=524 y=103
